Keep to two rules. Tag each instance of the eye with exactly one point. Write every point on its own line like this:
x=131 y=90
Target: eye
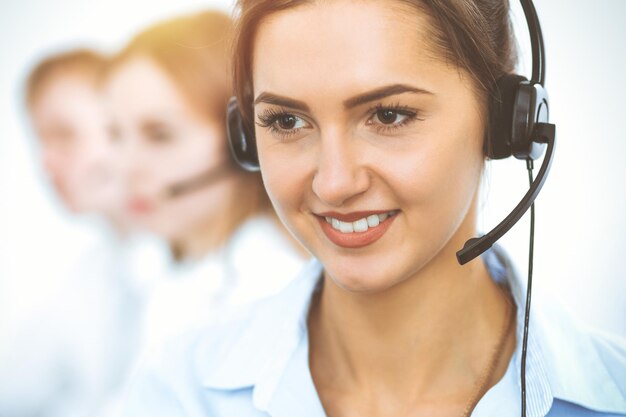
x=59 y=135
x=158 y=133
x=391 y=116
x=281 y=123
x=114 y=133
x=289 y=121
x=386 y=119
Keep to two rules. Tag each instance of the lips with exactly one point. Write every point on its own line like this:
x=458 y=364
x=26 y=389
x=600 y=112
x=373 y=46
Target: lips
x=140 y=206
x=357 y=229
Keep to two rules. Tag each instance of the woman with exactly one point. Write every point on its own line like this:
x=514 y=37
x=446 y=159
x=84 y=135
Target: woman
x=167 y=92
x=370 y=119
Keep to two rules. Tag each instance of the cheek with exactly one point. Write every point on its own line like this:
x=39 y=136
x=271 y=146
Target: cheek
x=177 y=217
x=53 y=162
x=286 y=180
x=185 y=159
x=439 y=176
x=281 y=182
x=72 y=166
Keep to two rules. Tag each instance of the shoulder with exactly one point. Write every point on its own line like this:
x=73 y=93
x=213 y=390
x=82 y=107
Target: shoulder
x=586 y=368
x=574 y=370
x=611 y=350
x=171 y=379
x=260 y=236
x=199 y=374
x=263 y=259
x=232 y=352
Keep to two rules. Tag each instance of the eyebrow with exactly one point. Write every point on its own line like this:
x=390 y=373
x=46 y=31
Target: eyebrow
x=270 y=98
x=376 y=94
x=382 y=92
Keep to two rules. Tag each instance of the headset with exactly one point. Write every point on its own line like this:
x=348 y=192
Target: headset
x=518 y=126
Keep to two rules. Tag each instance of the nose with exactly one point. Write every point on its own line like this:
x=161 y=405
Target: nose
x=51 y=162
x=131 y=164
x=341 y=174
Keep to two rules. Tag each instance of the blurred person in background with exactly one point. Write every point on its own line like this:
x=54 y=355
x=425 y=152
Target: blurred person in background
x=167 y=93
x=65 y=109
x=68 y=355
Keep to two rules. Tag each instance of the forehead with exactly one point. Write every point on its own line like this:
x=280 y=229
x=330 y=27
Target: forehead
x=140 y=77
x=140 y=88
x=63 y=83
x=69 y=97
x=342 y=45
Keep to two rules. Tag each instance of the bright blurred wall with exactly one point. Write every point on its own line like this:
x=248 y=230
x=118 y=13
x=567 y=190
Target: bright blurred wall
x=581 y=213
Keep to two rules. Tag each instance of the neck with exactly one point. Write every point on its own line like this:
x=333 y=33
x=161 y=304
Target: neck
x=209 y=234
x=428 y=337
x=195 y=245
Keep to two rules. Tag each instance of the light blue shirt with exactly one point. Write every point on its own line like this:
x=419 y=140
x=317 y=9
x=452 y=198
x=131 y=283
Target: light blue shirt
x=257 y=365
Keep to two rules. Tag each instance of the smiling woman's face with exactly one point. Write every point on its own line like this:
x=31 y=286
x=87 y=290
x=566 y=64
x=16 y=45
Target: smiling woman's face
x=370 y=145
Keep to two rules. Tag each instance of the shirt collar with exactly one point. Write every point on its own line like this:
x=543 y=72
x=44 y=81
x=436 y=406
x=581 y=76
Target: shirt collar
x=561 y=360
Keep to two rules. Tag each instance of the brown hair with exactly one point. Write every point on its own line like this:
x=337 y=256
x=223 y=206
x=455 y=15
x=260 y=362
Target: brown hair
x=80 y=62
x=193 y=50
x=474 y=35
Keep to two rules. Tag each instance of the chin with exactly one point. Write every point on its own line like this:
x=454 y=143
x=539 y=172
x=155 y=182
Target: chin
x=73 y=206
x=378 y=271
x=364 y=279
x=167 y=232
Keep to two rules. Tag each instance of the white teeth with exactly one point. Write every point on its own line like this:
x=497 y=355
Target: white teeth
x=373 y=220
x=345 y=227
x=359 y=226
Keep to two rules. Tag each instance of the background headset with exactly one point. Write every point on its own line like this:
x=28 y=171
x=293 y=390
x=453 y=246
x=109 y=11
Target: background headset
x=518 y=126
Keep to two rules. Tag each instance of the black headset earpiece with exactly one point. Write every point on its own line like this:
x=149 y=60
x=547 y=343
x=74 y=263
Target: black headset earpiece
x=517 y=106
x=241 y=138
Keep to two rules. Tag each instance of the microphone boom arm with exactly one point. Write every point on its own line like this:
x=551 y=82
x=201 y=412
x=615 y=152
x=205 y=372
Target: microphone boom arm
x=545 y=133
x=204 y=179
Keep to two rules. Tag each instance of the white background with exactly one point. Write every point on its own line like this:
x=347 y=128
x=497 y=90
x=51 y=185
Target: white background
x=581 y=226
